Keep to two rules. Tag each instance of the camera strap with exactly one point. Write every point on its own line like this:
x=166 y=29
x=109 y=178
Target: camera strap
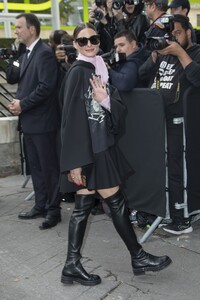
x=177 y=92
x=157 y=81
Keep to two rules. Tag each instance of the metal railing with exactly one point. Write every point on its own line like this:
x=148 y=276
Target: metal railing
x=5 y=96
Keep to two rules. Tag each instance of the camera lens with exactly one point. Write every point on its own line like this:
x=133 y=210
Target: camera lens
x=117 y=4
x=156 y=43
x=98 y=15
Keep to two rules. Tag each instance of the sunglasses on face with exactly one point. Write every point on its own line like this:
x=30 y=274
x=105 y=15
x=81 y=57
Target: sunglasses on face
x=83 y=41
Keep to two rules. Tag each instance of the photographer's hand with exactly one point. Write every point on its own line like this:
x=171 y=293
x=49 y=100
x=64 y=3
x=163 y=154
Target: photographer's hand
x=60 y=53
x=107 y=65
x=91 y=14
x=175 y=49
x=118 y=14
x=154 y=56
x=104 y=20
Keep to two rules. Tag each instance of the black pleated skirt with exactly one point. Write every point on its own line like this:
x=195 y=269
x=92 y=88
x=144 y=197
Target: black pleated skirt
x=110 y=169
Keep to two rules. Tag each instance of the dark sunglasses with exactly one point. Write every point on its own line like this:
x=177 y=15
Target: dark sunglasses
x=83 y=41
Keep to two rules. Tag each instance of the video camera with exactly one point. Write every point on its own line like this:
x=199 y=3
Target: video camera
x=6 y=53
x=113 y=58
x=70 y=51
x=159 y=43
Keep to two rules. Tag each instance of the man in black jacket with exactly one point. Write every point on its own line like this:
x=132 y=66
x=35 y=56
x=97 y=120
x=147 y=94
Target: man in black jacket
x=173 y=70
x=37 y=108
x=124 y=74
x=155 y=10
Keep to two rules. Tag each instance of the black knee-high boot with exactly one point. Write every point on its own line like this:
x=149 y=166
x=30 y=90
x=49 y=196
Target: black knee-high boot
x=141 y=261
x=73 y=270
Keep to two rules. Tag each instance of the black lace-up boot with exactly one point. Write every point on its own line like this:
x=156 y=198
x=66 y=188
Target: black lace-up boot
x=141 y=260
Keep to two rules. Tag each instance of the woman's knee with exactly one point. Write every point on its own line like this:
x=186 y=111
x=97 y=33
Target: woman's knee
x=105 y=193
x=85 y=192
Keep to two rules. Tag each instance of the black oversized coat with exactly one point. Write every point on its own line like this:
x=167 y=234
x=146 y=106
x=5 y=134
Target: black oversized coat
x=75 y=133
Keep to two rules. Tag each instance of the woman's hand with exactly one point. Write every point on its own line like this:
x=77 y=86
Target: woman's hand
x=76 y=176
x=99 y=89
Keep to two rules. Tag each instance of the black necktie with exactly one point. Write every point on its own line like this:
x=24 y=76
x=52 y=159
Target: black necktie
x=24 y=60
x=27 y=52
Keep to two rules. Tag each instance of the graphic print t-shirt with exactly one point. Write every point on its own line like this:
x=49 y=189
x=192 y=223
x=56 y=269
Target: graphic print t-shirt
x=99 y=123
x=168 y=78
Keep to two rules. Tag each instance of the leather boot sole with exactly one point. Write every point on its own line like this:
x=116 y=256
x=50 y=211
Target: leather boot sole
x=72 y=279
x=142 y=270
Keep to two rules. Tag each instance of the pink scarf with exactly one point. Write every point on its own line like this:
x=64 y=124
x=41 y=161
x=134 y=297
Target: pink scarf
x=100 y=66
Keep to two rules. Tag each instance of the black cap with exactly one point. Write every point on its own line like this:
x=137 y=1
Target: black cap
x=178 y=3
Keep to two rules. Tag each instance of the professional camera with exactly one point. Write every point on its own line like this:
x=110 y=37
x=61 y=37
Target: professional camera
x=117 y=4
x=98 y=15
x=113 y=58
x=70 y=51
x=6 y=53
x=159 y=43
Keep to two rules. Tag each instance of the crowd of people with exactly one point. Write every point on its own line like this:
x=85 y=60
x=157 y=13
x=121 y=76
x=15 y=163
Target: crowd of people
x=70 y=111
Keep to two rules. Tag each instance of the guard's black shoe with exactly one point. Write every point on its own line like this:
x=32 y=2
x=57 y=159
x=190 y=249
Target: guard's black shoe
x=32 y=214
x=144 y=262
x=75 y=272
x=50 y=221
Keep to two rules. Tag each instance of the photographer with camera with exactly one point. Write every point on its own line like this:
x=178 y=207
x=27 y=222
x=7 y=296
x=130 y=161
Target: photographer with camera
x=124 y=73
x=101 y=15
x=155 y=10
x=129 y=15
x=62 y=44
x=172 y=70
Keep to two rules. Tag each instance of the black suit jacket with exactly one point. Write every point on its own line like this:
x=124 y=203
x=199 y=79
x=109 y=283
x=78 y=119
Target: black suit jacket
x=37 y=91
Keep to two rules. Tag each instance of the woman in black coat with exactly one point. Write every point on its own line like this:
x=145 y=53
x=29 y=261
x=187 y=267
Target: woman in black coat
x=92 y=116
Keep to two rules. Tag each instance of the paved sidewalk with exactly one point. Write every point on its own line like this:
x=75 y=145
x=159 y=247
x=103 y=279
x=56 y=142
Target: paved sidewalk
x=31 y=260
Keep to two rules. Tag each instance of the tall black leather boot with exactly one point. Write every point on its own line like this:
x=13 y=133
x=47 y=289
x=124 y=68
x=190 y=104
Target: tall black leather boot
x=141 y=260
x=73 y=270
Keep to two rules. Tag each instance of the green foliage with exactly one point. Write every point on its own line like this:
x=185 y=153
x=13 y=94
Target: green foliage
x=66 y=8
